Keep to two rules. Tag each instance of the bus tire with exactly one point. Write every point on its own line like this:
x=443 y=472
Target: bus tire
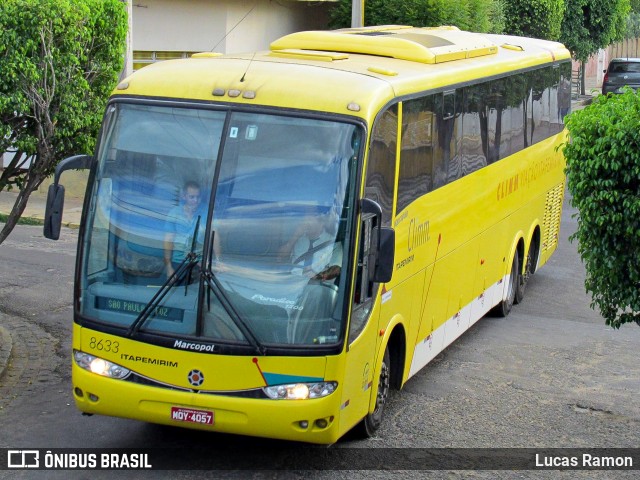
x=521 y=282
x=370 y=424
x=532 y=256
x=504 y=307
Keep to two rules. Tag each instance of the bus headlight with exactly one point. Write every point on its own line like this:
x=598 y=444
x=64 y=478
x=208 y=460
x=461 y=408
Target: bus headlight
x=301 y=391
x=99 y=365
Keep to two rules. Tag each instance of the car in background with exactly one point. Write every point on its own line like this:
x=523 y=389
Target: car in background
x=621 y=72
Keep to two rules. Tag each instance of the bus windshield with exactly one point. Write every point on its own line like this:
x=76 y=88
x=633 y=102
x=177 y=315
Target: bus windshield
x=218 y=226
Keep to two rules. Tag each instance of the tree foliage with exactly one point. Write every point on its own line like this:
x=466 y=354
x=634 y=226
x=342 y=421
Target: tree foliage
x=590 y=25
x=538 y=19
x=633 y=25
x=603 y=167
x=472 y=15
x=59 y=61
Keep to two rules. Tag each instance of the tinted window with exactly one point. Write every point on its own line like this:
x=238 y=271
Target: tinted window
x=624 y=67
x=448 y=135
x=474 y=129
x=416 y=156
x=381 y=171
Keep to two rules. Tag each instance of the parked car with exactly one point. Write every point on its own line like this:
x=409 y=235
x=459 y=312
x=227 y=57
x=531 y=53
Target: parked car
x=621 y=72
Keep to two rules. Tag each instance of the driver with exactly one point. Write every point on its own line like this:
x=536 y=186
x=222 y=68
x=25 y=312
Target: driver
x=315 y=254
x=313 y=249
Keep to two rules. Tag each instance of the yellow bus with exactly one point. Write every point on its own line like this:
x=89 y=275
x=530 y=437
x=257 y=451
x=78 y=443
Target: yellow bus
x=270 y=242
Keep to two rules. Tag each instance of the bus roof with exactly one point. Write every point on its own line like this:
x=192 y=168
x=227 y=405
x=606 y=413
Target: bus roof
x=348 y=71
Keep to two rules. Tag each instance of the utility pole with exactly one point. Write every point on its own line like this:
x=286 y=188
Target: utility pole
x=128 y=54
x=357 y=13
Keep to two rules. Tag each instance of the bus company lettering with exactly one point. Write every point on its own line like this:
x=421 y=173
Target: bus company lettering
x=405 y=262
x=418 y=233
x=539 y=168
x=400 y=218
x=196 y=347
x=525 y=177
x=151 y=361
x=508 y=186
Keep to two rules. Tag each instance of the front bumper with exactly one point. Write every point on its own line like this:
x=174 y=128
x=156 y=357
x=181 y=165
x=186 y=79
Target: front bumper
x=279 y=419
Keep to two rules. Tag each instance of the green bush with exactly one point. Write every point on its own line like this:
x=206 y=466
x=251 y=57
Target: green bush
x=540 y=18
x=472 y=15
x=603 y=169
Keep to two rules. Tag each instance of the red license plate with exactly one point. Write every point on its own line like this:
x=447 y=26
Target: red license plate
x=191 y=415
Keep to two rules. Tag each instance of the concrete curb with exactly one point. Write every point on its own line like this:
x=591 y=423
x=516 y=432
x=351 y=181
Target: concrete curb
x=6 y=347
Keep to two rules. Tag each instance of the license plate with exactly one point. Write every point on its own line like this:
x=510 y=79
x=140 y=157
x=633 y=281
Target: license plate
x=191 y=415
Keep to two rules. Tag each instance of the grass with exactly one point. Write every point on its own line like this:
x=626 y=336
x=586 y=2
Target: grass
x=21 y=221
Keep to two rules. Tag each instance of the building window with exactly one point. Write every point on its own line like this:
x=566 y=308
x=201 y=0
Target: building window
x=142 y=58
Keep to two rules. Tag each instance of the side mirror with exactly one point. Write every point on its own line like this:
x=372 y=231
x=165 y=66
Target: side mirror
x=383 y=244
x=53 y=211
x=55 y=195
x=386 y=254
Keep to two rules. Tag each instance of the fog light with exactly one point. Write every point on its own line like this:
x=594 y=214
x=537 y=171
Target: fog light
x=93 y=398
x=303 y=423
x=322 y=423
x=78 y=392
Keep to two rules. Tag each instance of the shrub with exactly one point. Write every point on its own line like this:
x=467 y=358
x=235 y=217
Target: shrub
x=603 y=168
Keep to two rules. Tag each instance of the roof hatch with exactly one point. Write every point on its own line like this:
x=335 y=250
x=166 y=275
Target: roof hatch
x=424 y=45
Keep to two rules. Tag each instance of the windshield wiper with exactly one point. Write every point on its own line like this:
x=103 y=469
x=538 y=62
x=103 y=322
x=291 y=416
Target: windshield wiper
x=186 y=265
x=214 y=284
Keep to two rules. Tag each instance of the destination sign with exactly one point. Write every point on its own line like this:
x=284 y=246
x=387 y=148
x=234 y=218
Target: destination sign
x=134 y=308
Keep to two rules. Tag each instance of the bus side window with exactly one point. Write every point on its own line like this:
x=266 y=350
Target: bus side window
x=364 y=290
x=380 y=182
x=381 y=169
x=474 y=130
x=416 y=156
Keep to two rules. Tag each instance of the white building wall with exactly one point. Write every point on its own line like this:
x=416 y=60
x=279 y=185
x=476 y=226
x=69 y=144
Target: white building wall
x=225 y=26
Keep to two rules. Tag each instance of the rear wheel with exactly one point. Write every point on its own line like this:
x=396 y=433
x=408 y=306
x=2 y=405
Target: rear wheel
x=529 y=268
x=373 y=420
x=523 y=278
x=504 y=307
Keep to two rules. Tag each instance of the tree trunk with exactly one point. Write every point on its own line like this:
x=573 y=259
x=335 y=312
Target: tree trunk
x=20 y=204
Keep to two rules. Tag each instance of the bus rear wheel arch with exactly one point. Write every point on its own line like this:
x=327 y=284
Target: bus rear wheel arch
x=504 y=307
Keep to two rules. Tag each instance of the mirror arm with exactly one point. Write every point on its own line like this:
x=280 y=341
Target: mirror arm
x=77 y=162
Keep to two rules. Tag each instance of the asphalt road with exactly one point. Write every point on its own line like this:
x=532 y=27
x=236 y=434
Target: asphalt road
x=549 y=375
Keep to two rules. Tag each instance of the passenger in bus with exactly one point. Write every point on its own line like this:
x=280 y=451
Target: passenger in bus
x=181 y=225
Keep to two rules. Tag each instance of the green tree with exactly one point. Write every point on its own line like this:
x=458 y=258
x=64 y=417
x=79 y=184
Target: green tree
x=603 y=167
x=538 y=19
x=590 y=25
x=472 y=15
x=59 y=61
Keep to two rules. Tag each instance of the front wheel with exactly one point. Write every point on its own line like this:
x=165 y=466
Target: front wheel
x=367 y=428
